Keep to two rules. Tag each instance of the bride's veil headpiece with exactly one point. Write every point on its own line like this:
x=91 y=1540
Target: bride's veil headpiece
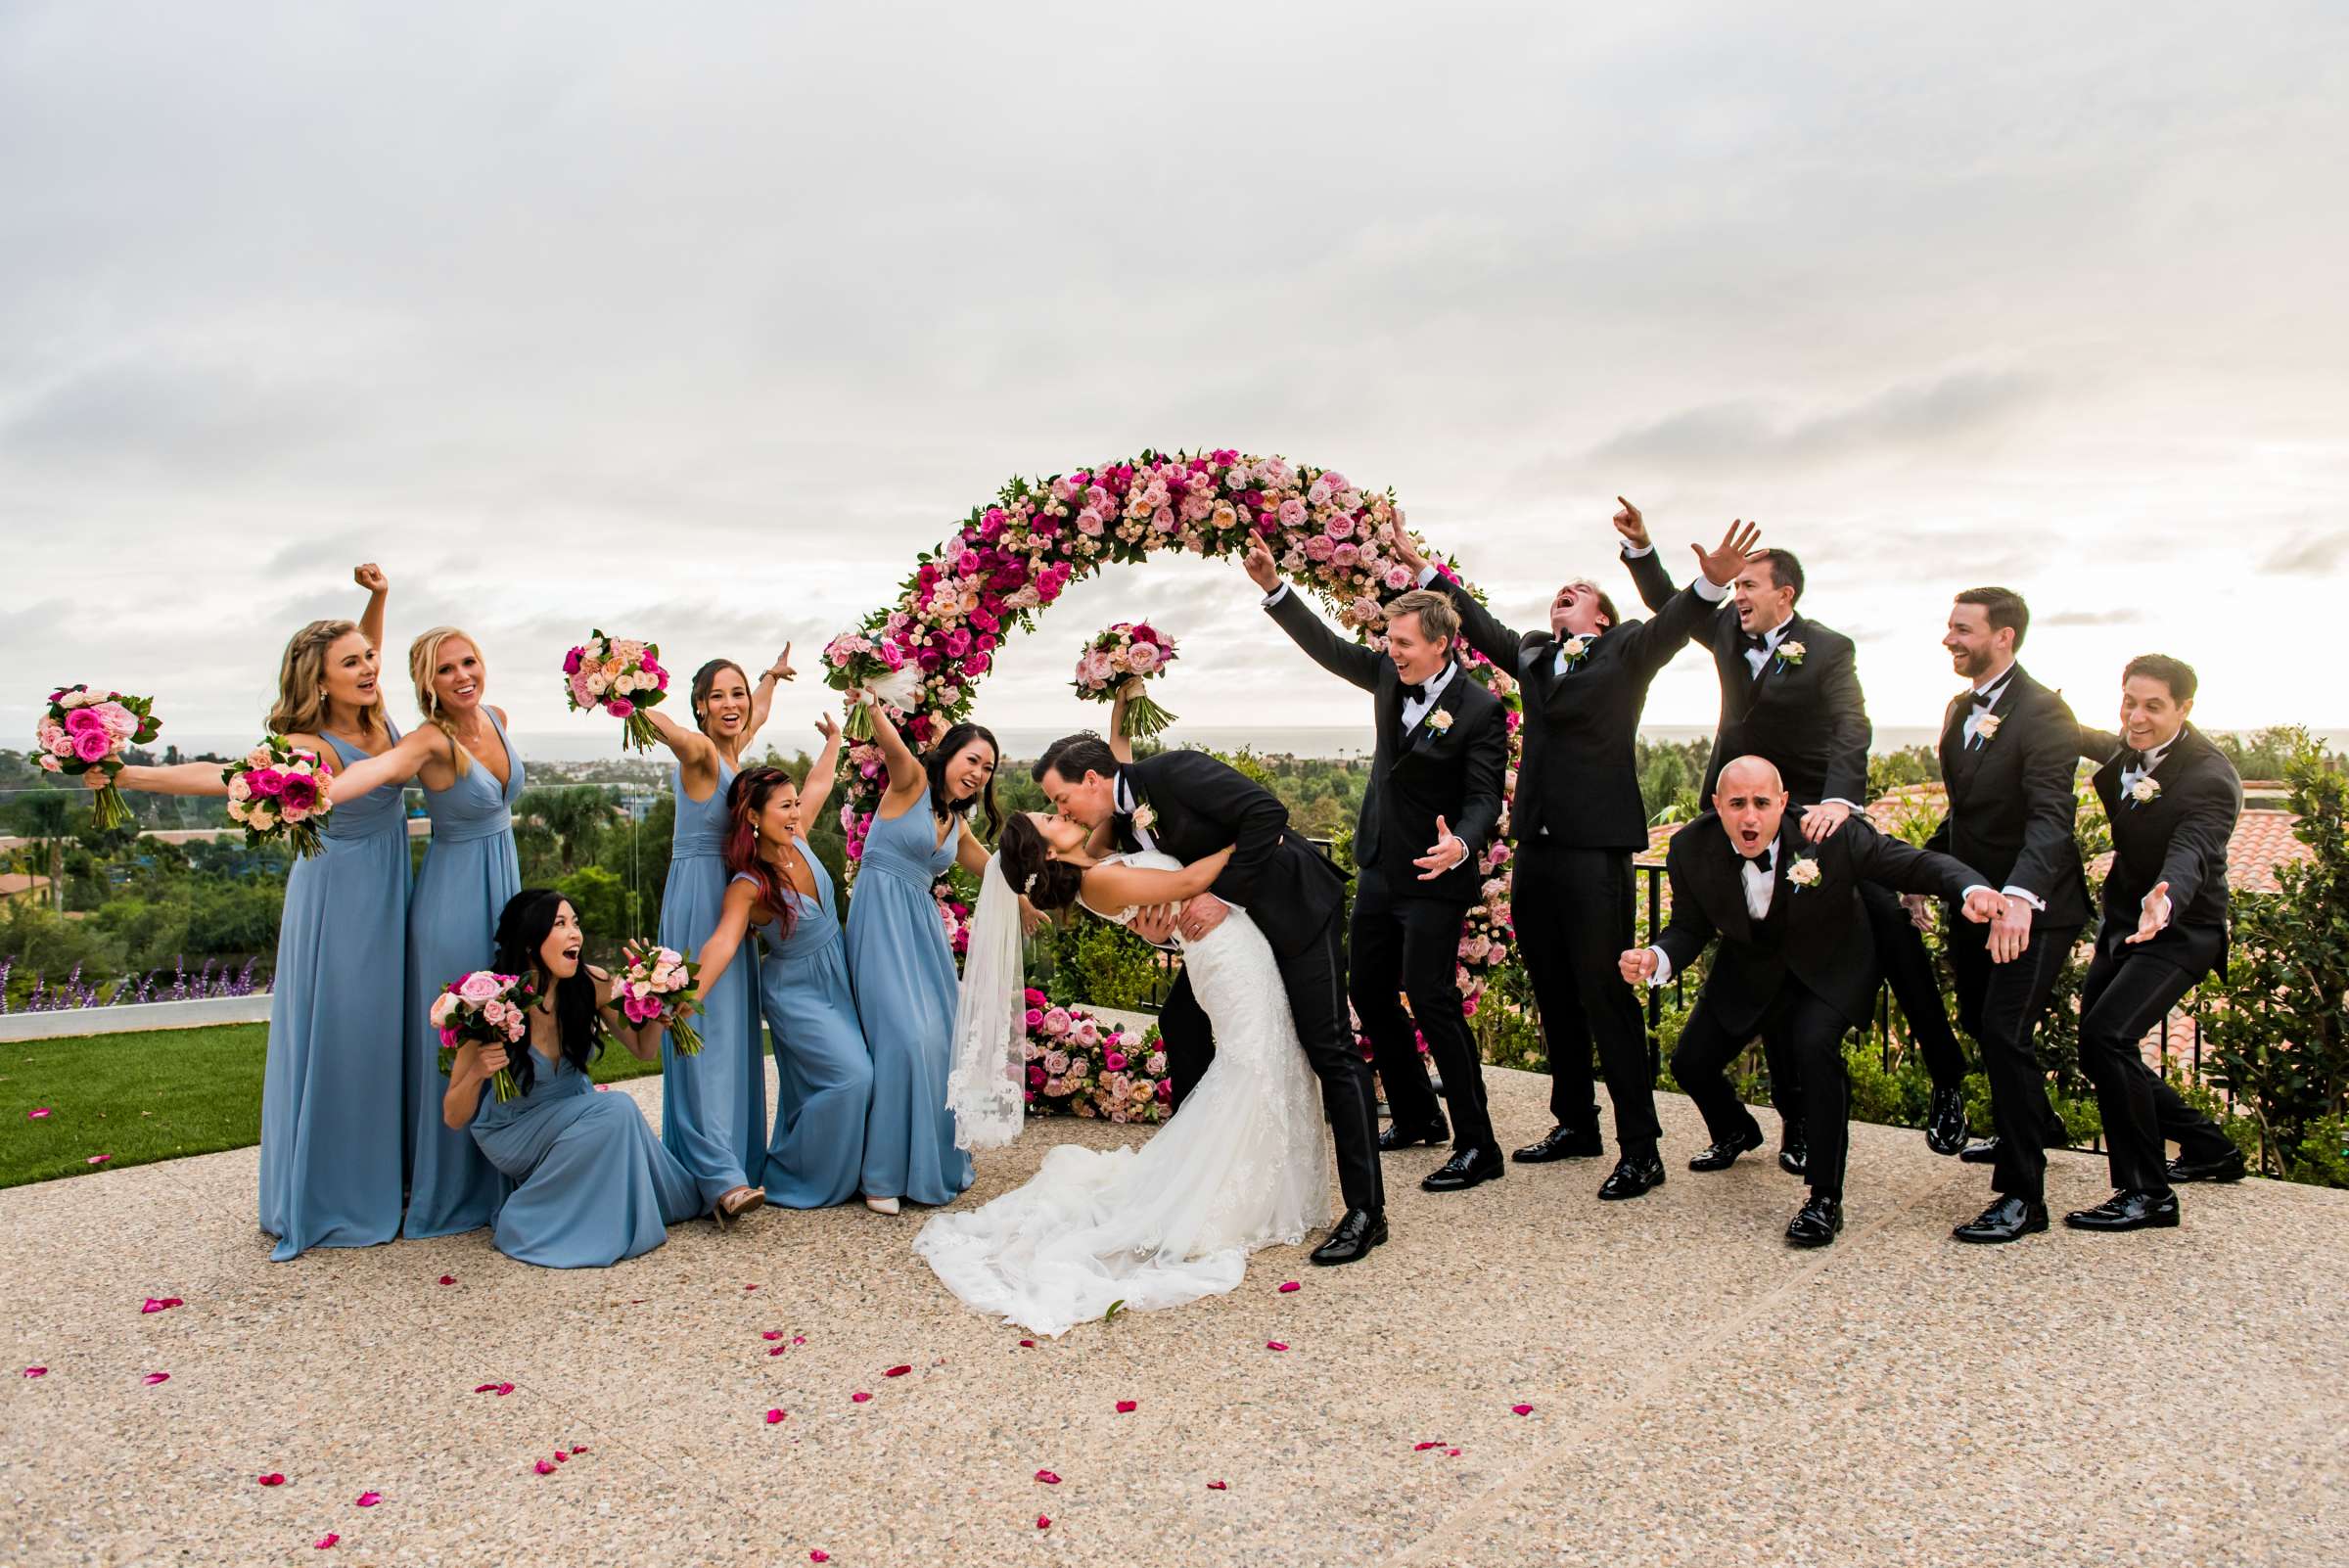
x=986 y=1089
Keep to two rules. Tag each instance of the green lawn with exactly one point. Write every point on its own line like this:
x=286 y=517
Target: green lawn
x=153 y=1095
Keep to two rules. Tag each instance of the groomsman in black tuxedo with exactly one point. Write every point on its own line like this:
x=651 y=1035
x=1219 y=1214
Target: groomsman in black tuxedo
x=1790 y=692
x=1797 y=961
x=2008 y=759
x=2172 y=798
x=1432 y=807
x=1578 y=819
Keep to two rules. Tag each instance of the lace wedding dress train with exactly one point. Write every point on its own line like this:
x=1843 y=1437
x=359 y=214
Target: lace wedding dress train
x=1242 y=1165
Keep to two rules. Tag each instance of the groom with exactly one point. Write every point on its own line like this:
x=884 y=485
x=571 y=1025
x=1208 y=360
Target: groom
x=1189 y=806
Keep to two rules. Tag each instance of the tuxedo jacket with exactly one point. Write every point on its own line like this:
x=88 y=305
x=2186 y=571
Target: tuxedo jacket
x=2179 y=837
x=1200 y=804
x=2012 y=803
x=1806 y=716
x=1450 y=766
x=1579 y=776
x=1817 y=934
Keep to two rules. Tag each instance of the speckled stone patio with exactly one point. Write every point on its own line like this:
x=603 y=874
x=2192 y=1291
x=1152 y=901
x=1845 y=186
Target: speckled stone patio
x=1699 y=1391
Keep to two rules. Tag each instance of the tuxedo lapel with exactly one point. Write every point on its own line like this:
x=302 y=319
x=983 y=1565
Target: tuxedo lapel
x=1736 y=922
x=1455 y=692
x=1953 y=734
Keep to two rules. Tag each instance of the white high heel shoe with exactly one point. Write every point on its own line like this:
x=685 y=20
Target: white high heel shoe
x=880 y=1205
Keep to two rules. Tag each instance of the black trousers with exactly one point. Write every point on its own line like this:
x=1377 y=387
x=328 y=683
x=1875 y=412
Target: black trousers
x=1398 y=936
x=2000 y=1006
x=1808 y=1035
x=1574 y=910
x=1915 y=989
x=2124 y=997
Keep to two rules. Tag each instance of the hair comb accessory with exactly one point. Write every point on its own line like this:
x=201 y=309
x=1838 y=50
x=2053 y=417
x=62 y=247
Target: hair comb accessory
x=1029 y=885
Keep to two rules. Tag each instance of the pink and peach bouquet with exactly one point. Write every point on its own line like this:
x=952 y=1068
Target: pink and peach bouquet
x=870 y=660
x=1115 y=664
x=622 y=676
x=1078 y=1065
x=483 y=1008
x=85 y=730
x=277 y=791
x=658 y=986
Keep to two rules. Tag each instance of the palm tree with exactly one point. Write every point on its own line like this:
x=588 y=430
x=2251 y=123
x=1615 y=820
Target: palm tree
x=576 y=815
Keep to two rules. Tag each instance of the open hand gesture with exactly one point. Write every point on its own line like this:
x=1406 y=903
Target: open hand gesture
x=1631 y=526
x=781 y=669
x=2154 y=914
x=1400 y=547
x=1262 y=567
x=1722 y=564
x=1449 y=851
x=371 y=578
x=827 y=726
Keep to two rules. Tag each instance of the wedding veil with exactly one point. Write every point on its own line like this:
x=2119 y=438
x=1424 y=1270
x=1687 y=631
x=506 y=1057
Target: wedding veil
x=986 y=1089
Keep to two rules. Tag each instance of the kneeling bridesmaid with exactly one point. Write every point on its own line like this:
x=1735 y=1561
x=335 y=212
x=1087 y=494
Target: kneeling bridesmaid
x=592 y=1184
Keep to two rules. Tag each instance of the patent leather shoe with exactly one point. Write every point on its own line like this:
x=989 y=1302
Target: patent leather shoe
x=2008 y=1220
x=1794 y=1155
x=1468 y=1168
x=2128 y=1211
x=1398 y=1137
x=2227 y=1167
x=1561 y=1143
x=1945 y=1122
x=1720 y=1156
x=1352 y=1238
x=1633 y=1176
x=1815 y=1223
x=1982 y=1151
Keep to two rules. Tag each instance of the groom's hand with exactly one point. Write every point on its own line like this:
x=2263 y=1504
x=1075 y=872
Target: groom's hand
x=1449 y=851
x=1202 y=912
x=1262 y=567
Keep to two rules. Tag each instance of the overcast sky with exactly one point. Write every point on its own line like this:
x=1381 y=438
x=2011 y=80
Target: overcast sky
x=698 y=323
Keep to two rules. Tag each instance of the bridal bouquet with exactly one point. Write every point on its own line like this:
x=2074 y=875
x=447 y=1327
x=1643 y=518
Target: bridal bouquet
x=275 y=790
x=862 y=661
x=622 y=676
x=657 y=984
x=84 y=729
x=1117 y=663
x=483 y=1009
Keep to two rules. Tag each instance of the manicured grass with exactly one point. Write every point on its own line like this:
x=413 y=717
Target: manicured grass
x=153 y=1095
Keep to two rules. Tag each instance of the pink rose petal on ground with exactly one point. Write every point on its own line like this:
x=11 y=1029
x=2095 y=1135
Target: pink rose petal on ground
x=39 y=1113
x=272 y=1479
x=750 y=1287
x=1288 y=1286
x=1125 y=1406
x=36 y=1371
x=772 y=1334
x=819 y=1556
x=161 y=1305
x=778 y=1350
x=798 y=1339
x=896 y=1371
x=368 y=1500
x=153 y=1378
x=1451 y=1453
x=98 y=1159
x=544 y=1467
x=485 y=1388
x=504 y=1389
x=1026 y=1344
x=1274 y=1344
x=1044 y=1521
x=1422 y=1448
x=1521 y=1409
x=578 y=1447
x=449 y=1279
x=326 y=1540
x=562 y=1457
x=859 y=1397
x=774 y=1416
x=1047 y=1478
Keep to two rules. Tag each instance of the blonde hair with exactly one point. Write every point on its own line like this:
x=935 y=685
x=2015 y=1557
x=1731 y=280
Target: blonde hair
x=301 y=701
x=423 y=655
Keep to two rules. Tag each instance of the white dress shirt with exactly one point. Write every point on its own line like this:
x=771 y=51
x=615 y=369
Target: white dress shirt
x=1414 y=709
x=1983 y=698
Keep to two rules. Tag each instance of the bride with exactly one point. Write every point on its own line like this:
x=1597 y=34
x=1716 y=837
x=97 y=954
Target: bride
x=1241 y=1165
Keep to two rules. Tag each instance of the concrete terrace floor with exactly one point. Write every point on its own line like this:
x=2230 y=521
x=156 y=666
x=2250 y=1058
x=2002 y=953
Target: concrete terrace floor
x=1699 y=1391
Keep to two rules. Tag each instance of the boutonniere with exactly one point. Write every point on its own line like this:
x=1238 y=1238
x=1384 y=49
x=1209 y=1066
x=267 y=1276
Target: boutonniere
x=1987 y=726
x=2143 y=791
x=1790 y=653
x=1439 y=721
x=1143 y=817
x=1574 y=648
x=1804 y=873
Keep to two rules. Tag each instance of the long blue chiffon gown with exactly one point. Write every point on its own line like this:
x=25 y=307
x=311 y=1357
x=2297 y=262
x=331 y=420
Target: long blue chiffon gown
x=331 y=1088
x=591 y=1183
x=903 y=974
x=470 y=871
x=713 y=1105
x=823 y=1071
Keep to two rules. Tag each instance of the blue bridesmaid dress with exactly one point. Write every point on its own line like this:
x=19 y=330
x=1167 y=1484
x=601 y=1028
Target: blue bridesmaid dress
x=331 y=1089
x=823 y=1071
x=592 y=1184
x=469 y=873
x=713 y=1105
x=904 y=973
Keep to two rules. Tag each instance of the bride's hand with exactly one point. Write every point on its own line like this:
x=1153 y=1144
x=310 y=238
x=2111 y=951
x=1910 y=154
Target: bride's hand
x=1032 y=919
x=1155 y=924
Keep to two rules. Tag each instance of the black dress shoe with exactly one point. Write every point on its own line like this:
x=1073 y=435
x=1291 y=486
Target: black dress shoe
x=2227 y=1167
x=1982 y=1151
x=1945 y=1122
x=1467 y=1169
x=2128 y=1211
x=1561 y=1143
x=1633 y=1176
x=1398 y=1137
x=1815 y=1224
x=2008 y=1220
x=1352 y=1240
x=1720 y=1156
x=1794 y=1156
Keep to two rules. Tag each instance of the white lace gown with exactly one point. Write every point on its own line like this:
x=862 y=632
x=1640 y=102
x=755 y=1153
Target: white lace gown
x=1242 y=1165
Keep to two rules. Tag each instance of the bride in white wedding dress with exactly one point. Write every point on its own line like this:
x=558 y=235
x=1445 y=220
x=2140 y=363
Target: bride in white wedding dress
x=1243 y=1164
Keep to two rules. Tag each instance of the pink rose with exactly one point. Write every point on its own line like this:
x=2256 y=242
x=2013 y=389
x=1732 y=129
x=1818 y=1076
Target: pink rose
x=1089 y=523
x=571 y=662
x=1114 y=1061
x=1344 y=555
x=1292 y=513
x=83 y=722
x=1142 y=657
x=1320 y=547
x=1340 y=526
x=1056 y=1022
x=1398 y=577
x=92 y=745
x=448 y=1037
x=51 y=764
x=1035 y=1017
x=298 y=793
x=480 y=987
x=619 y=706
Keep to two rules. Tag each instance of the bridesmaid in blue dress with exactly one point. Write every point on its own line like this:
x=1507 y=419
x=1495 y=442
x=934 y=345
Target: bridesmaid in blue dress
x=331 y=1088
x=713 y=1104
x=591 y=1183
x=823 y=1070
x=471 y=778
x=900 y=963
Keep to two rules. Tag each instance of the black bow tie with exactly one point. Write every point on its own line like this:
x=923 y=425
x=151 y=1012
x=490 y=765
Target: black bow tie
x=1414 y=691
x=1768 y=859
x=1987 y=699
x=1755 y=641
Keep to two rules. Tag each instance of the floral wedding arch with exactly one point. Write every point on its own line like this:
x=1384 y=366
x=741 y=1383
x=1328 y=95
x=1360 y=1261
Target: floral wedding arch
x=1012 y=558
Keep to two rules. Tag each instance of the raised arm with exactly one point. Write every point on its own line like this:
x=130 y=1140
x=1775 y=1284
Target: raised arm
x=1647 y=573
x=763 y=696
x=1350 y=662
x=1120 y=746
x=397 y=765
x=378 y=587
x=1479 y=627
x=906 y=776
x=179 y=778
x=695 y=752
x=1121 y=886
x=718 y=949
x=816 y=788
x=1242 y=810
x=1684 y=617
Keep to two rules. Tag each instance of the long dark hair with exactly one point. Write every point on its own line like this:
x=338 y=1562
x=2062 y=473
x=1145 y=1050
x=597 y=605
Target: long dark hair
x=746 y=798
x=703 y=680
x=522 y=927
x=934 y=766
x=1027 y=865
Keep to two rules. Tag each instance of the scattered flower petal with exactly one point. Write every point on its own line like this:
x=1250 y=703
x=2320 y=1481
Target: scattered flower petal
x=163 y=1303
x=326 y=1540
x=1047 y=1478
x=1044 y=1521
x=1216 y=1486
x=368 y=1500
x=485 y=1388
x=1521 y=1409
x=1451 y=1453
x=578 y=1447
x=896 y=1371
x=772 y=1334
x=819 y=1556
x=153 y=1378
x=273 y=1479
x=1275 y=1344
x=449 y=1279
x=750 y=1287
x=798 y=1339
x=773 y=1417
x=1026 y=1344
x=562 y=1457
x=504 y=1389
x=98 y=1159
x=1125 y=1406
x=859 y=1397
x=778 y=1350
x=1288 y=1286
x=1422 y=1448
x=36 y=1371
x=546 y=1467
x=39 y=1113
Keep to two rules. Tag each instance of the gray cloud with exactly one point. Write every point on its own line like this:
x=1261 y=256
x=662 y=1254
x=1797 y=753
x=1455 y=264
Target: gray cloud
x=2310 y=552
x=2093 y=617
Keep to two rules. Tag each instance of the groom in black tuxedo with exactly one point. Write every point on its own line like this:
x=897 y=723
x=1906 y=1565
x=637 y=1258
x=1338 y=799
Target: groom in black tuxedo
x=1797 y=963
x=1432 y=807
x=1189 y=804
x=1578 y=819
